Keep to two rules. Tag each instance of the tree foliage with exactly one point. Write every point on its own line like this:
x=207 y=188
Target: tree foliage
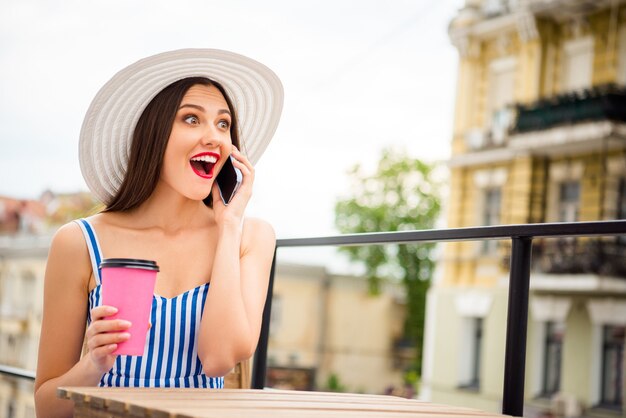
x=401 y=195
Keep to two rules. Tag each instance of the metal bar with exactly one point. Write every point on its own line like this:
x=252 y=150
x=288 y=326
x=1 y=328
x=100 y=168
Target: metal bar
x=516 y=327
x=260 y=356
x=563 y=229
x=15 y=372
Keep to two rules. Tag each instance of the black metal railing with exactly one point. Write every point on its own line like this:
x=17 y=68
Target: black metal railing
x=604 y=102
x=16 y=372
x=577 y=256
x=520 y=262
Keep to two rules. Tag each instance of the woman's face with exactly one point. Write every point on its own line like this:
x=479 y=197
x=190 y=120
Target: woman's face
x=199 y=142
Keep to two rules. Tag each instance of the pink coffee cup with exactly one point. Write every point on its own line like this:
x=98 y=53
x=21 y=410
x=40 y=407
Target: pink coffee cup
x=128 y=285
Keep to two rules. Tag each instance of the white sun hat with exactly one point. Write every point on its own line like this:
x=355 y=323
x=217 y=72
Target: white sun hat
x=105 y=137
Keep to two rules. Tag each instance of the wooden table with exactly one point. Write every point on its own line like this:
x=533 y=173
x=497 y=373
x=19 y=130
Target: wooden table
x=93 y=402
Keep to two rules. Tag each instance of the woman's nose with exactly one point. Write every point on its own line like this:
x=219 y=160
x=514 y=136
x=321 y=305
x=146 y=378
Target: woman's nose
x=212 y=136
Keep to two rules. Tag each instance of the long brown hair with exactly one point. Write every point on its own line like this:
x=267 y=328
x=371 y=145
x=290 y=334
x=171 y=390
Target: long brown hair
x=150 y=140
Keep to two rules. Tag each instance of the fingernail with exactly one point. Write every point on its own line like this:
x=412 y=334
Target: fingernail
x=125 y=323
x=112 y=309
x=125 y=335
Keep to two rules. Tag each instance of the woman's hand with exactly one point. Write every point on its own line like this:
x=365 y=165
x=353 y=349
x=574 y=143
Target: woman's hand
x=234 y=212
x=103 y=335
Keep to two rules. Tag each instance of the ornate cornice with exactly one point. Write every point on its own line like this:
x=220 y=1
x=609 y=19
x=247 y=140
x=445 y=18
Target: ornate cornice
x=526 y=25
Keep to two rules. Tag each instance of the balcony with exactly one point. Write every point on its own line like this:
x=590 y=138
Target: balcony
x=561 y=10
x=590 y=120
x=576 y=256
x=607 y=102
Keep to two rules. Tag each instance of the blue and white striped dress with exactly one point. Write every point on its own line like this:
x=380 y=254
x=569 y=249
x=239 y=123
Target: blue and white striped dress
x=170 y=358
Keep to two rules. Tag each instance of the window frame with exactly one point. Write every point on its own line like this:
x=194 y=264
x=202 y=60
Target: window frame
x=571 y=49
x=550 y=341
x=565 y=203
x=603 y=402
x=471 y=360
x=491 y=216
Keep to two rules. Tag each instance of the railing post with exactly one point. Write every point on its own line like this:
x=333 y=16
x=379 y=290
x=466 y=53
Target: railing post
x=259 y=366
x=517 y=322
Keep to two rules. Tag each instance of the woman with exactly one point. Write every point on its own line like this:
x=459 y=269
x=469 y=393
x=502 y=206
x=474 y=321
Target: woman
x=153 y=141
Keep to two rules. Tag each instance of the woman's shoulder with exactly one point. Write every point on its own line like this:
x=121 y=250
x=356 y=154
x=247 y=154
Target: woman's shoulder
x=258 y=231
x=69 y=236
x=73 y=236
x=257 y=225
x=68 y=245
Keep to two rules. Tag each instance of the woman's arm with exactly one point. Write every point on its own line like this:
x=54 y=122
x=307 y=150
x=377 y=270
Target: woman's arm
x=63 y=326
x=232 y=316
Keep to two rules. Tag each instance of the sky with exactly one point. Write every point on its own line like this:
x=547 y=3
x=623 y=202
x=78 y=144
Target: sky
x=359 y=75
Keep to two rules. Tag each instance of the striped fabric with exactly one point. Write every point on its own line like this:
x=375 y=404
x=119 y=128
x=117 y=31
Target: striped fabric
x=170 y=357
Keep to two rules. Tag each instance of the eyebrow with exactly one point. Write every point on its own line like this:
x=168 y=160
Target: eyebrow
x=202 y=109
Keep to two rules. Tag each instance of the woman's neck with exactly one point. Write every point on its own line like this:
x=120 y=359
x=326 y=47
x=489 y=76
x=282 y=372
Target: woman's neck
x=172 y=212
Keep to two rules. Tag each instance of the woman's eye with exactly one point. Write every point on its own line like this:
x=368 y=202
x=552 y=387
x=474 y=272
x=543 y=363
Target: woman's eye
x=191 y=119
x=224 y=124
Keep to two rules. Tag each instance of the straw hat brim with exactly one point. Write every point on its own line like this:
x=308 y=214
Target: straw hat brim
x=107 y=130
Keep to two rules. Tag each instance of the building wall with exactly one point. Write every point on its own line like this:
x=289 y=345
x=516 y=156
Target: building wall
x=331 y=324
x=534 y=48
x=22 y=267
x=576 y=350
x=361 y=333
x=451 y=347
x=295 y=330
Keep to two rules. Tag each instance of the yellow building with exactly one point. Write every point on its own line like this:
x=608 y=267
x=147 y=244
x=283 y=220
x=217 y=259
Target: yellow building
x=539 y=136
x=326 y=324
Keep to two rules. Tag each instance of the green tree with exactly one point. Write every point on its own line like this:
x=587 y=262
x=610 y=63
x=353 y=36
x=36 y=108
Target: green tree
x=402 y=195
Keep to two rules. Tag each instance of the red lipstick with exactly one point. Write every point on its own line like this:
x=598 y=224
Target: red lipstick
x=203 y=164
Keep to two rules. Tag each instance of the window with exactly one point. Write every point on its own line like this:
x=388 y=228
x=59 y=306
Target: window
x=478 y=343
x=612 y=381
x=28 y=288
x=578 y=64
x=621 y=207
x=276 y=313
x=568 y=206
x=501 y=84
x=621 y=64
x=621 y=199
x=491 y=215
x=553 y=346
x=471 y=361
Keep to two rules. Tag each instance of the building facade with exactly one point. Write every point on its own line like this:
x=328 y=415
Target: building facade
x=22 y=267
x=539 y=136
x=327 y=328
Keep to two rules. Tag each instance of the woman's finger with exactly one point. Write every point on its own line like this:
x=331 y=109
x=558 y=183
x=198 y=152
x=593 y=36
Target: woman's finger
x=102 y=311
x=103 y=351
x=107 y=325
x=242 y=158
x=247 y=172
x=102 y=340
x=244 y=165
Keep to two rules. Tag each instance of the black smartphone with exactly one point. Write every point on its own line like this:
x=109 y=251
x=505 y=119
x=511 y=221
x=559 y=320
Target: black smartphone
x=228 y=180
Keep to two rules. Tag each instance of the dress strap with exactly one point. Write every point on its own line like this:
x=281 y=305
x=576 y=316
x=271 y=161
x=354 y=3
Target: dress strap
x=94 y=247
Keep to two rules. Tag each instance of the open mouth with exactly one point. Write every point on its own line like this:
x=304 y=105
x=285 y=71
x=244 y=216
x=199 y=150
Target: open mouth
x=203 y=164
